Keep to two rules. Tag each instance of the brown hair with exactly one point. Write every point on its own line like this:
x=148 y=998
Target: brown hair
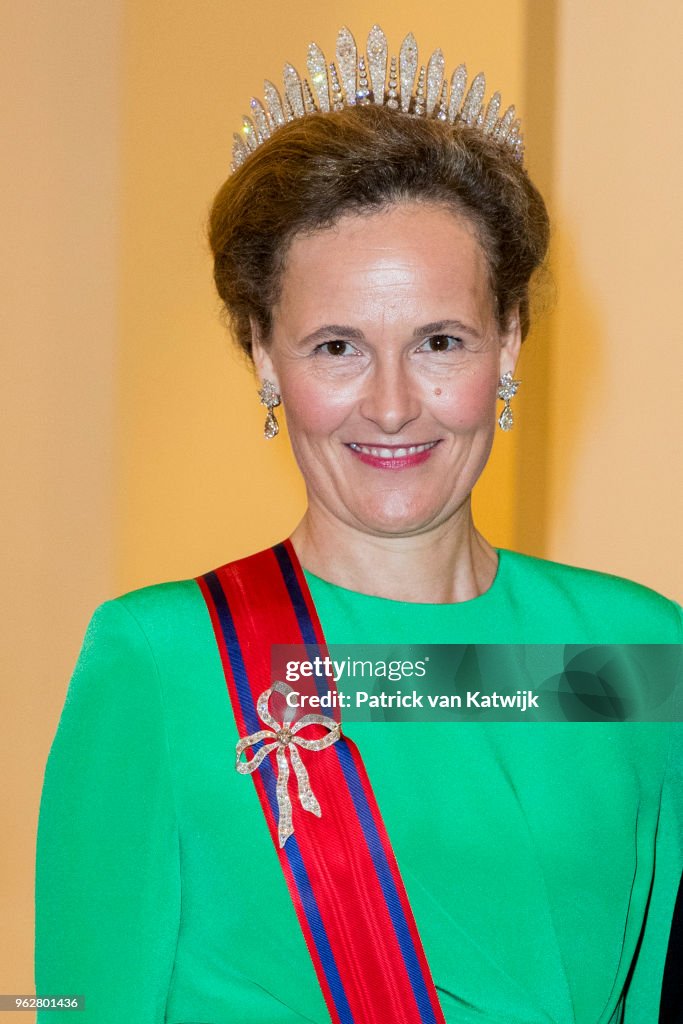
x=313 y=170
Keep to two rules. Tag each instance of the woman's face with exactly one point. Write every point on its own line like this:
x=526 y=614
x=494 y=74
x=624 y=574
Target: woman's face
x=387 y=354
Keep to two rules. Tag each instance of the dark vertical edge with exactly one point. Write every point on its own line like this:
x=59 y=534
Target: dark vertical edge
x=534 y=440
x=671 y=1007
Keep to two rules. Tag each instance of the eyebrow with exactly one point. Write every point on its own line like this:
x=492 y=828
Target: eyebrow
x=335 y=331
x=353 y=334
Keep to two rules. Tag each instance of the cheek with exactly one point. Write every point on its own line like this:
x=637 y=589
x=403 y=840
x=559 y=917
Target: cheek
x=313 y=408
x=466 y=408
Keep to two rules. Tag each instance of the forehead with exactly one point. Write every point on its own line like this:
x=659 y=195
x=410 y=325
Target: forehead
x=400 y=261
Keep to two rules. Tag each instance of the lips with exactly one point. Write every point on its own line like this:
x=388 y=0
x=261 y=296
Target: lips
x=389 y=457
x=392 y=451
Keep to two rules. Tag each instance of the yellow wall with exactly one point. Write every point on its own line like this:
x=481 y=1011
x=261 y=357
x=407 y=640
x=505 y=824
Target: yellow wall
x=133 y=449
x=59 y=188
x=614 y=500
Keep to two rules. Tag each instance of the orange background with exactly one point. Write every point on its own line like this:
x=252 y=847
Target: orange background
x=131 y=432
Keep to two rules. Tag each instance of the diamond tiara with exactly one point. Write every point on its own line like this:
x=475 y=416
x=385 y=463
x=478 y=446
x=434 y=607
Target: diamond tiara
x=358 y=79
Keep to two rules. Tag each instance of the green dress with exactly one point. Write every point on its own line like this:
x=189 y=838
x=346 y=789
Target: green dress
x=527 y=850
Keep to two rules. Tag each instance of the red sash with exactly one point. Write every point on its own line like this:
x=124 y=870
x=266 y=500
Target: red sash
x=340 y=869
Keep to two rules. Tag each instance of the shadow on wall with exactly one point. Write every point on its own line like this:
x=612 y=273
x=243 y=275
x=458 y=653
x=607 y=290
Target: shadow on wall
x=542 y=456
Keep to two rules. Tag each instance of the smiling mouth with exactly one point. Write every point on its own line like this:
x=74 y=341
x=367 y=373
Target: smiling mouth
x=392 y=452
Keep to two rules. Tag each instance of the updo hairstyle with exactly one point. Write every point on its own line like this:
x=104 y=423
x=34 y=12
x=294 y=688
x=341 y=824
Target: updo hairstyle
x=317 y=168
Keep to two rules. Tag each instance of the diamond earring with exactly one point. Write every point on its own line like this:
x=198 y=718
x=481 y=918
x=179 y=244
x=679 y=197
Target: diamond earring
x=507 y=389
x=270 y=397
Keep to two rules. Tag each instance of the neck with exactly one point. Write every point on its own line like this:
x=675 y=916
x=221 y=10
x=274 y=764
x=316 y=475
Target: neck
x=447 y=564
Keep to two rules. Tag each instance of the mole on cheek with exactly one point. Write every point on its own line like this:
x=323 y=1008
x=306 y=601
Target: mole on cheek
x=437 y=391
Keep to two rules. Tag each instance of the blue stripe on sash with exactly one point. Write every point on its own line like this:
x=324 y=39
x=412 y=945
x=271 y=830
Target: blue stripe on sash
x=295 y=595
x=292 y=851
x=386 y=881
x=239 y=673
x=301 y=611
x=379 y=859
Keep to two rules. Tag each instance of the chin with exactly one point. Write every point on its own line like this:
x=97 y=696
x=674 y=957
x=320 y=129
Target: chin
x=398 y=521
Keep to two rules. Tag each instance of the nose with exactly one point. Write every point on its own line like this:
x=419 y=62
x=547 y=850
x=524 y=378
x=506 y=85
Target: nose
x=390 y=399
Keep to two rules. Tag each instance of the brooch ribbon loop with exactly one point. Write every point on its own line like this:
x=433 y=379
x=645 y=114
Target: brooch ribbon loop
x=283 y=736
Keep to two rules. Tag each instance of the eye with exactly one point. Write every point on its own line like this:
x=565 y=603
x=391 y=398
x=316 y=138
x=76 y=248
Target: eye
x=442 y=343
x=336 y=348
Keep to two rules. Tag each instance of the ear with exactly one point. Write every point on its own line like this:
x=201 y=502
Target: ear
x=510 y=343
x=260 y=353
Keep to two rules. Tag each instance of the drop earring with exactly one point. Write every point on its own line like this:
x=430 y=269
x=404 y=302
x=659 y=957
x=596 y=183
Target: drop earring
x=507 y=389
x=270 y=397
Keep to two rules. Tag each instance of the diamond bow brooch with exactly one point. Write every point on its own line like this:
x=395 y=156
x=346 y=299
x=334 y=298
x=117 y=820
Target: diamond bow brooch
x=281 y=737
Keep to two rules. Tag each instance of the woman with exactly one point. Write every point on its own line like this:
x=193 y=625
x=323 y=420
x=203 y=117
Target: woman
x=375 y=256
